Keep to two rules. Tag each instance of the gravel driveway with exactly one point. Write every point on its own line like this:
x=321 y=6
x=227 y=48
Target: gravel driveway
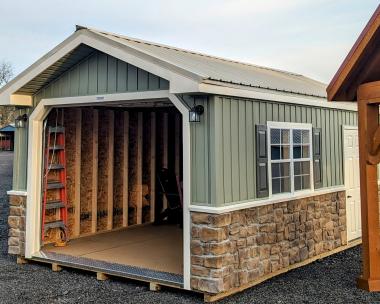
x=331 y=280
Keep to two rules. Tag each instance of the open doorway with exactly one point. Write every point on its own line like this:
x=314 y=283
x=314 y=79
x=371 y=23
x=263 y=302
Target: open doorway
x=123 y=187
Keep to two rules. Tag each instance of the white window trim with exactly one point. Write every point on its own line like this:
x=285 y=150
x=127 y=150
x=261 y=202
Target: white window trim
x=291 y=126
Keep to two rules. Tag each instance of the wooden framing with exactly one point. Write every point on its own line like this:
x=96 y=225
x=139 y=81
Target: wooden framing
x=368 y=104
x=111 y=128
x=358 y=79
x=78 y=142
x=338 y=89
x=177 y=141
x=125 y=168
x=139 y=196
x=165 y=139
x=94 y=205
x=153 y=143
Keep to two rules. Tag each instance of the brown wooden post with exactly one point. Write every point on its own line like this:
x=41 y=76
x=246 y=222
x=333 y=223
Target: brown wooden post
x=368 y=107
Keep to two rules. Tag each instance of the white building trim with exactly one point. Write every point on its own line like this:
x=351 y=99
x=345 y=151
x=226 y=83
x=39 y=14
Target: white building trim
x=270 y=95
x=35 y=152
x=235 y=206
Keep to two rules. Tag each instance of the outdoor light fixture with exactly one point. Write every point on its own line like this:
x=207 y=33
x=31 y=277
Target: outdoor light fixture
x=20 y=121
x=195 y=113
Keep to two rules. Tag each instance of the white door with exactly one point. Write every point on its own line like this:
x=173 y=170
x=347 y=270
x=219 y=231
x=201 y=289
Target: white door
x=352 y=183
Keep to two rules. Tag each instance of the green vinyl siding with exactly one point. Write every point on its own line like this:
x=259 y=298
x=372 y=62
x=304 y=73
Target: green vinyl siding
x=101 y=74
x=229 y=136
x=199 y=153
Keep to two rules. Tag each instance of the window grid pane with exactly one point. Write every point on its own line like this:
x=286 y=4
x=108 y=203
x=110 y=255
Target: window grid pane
x=281 y=144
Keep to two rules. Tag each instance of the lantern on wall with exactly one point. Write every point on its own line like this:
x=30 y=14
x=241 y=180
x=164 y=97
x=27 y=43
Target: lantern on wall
x=195 y=113
x=20 y=121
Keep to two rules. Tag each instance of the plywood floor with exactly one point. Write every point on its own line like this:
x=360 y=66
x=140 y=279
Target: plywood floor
x=152 y=247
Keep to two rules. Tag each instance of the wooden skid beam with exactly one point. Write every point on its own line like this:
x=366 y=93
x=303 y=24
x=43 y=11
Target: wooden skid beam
x=125 y=169
x=94 y=205
x=21 y=260
x=101 y=276
x=55 y=267
x=154 y=286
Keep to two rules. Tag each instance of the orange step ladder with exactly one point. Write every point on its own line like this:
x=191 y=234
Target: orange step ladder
x=55 y=184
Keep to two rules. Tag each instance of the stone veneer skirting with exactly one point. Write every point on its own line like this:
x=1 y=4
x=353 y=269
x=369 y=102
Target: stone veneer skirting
x=234 y=249
x=16 y=223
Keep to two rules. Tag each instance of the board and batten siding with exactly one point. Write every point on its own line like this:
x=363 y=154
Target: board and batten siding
x=230 y=128
x=101 y=74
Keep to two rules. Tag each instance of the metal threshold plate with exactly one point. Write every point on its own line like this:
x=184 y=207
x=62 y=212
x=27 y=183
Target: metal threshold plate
x=120 y=270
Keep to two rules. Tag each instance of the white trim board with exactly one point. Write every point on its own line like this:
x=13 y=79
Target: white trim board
x=261 y=202
x=270 y=95
x=290 y=126
x=17 y=193
x=33 y=218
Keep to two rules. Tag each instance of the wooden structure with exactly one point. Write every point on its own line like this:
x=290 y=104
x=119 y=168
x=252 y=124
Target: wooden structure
x=265 y=155
x=112 y=159
x=358 y=79
x=7 y=138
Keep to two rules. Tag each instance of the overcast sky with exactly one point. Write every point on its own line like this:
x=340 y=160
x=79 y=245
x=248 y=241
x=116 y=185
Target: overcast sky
x=308 y=37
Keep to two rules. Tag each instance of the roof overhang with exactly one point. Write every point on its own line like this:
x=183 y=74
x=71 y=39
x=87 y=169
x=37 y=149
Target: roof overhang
x=361 y=65
x=20 y=90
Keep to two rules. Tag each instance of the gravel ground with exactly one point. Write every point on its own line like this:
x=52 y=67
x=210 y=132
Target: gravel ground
x=331 y=280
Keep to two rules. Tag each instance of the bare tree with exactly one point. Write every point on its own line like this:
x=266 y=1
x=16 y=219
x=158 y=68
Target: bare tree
x=6 y=72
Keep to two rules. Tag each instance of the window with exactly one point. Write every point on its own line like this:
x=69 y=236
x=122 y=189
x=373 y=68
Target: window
x=290 y=157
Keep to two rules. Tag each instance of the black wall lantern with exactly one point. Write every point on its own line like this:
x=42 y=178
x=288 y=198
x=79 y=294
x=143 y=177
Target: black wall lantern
x=20 y=121
x=195 y=113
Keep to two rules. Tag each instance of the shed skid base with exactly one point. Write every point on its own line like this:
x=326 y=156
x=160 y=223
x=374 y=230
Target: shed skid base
x=105 y=269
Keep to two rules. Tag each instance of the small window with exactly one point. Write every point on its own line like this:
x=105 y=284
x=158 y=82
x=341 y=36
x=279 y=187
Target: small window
x=290 y=158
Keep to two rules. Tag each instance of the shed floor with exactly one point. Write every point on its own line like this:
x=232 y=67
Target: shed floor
x=151 y=247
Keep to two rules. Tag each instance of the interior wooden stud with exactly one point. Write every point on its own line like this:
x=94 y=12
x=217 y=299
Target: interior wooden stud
x=165 y=138
x=94 y=205
x=152 y=166
x=125 y=169
x=177 y=143
x=139 y=195
x=110 y=167
x=78 y=159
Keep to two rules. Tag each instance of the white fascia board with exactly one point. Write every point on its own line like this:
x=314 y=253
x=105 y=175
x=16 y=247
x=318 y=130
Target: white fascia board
x=179 y=81
x=263 y=94
x=102 y=99
x=38 y=67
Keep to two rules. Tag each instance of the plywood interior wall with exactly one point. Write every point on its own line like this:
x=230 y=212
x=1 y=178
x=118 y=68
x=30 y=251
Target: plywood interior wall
x=112 y=160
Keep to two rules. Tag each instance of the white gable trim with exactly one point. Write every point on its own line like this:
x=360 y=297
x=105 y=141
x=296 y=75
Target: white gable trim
x=179 y=83
x=269 y=95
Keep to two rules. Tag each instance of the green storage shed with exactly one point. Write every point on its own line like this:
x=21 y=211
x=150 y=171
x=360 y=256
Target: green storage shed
x=256 y=171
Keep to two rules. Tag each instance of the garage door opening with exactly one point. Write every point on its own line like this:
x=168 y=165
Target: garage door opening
x=123 y=190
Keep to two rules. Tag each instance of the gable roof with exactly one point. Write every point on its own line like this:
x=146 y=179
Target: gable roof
x=361 y=64
x=222 y=70
x=8 y=128
x=186 y=70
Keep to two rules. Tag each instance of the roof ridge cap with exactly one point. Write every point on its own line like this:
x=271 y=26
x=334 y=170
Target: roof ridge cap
x=79 y=27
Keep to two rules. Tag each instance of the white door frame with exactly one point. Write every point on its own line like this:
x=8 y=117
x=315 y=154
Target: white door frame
x=35 y=152
x=345 y=128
